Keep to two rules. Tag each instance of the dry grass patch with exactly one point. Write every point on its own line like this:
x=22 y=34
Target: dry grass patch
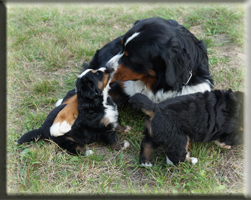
x=47 y=44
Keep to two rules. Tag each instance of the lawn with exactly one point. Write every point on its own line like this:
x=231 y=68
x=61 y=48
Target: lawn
x=46 y=45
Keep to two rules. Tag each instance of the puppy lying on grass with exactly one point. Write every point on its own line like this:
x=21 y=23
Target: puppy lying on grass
x=201 y=117
x=97 y=116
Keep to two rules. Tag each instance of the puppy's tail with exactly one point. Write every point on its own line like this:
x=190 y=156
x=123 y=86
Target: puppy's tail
x=146 y=105
x=30 y=136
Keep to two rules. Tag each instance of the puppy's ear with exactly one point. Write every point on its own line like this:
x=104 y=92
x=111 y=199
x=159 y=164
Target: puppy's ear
x=177 y=66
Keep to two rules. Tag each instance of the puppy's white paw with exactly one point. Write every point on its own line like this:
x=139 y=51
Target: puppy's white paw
x=59 y=102
x=168 y=161
x=59 y=129
x=89 y=152
x=194 y=160
x=146 y=165
x=126 y=145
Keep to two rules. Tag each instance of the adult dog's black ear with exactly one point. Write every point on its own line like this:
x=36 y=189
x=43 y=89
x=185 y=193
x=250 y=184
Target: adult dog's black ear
x=137 y=21
x=87 y=88
x=178 y=64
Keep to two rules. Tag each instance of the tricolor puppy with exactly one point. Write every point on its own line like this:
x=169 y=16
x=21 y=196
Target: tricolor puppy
x=201 y=117
x=96 y=117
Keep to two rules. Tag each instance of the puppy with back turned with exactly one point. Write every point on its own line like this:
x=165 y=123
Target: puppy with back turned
x=178 y=122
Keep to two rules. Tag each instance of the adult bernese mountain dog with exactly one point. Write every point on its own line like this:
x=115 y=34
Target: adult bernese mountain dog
x=201 y=117
x=156 y=57
x=97 y=116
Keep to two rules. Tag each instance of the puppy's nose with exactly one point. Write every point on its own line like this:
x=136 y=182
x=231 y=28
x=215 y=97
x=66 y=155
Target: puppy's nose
x=109 y=69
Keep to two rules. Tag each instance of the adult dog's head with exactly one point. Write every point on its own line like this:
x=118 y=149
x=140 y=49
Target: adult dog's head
x=162 y=54
x=92 y=84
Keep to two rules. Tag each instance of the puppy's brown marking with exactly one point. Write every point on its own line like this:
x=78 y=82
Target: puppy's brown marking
x=70 y=112
x=147 y=152
x=150 y=113
x=188 y=149
x=105 y=121
x=102 y=84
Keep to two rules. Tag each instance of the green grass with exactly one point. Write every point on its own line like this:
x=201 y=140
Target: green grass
x=47 y=44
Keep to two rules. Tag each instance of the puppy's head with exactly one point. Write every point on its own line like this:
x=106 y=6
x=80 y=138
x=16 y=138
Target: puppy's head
x=235 y=108
x=155 y=50
x=91 y=83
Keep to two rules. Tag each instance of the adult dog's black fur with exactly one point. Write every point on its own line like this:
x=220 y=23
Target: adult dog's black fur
x=97 y=116
x=200 y=117
x=161 y=59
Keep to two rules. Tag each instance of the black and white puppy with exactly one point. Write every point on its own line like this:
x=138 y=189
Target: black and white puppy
x=97 y=116
x=200 y=117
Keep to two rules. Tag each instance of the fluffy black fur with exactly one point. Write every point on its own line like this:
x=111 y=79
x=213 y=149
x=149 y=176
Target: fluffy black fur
x=100 y=59
x=169 y=50
x=199 y=117
x=88 y=127
x=163 y=46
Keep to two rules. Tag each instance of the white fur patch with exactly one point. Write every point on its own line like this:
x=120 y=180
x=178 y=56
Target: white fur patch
x=84 y=73
x=102 y=69
x=133 y=87
x=111 y=111
x=193 y=160
x=146 y=165
x=59 y=129
x=131 y=37
x=126 y=145
x=59 y=102
x=113 y=62
x=88 y=152
x=168 y=161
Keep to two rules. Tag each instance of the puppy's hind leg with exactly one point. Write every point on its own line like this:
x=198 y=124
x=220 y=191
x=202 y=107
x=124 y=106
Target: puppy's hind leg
x=65 y=118
x=147 y=147
x=178 y=151
x=192 y=160
x=222 y=145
